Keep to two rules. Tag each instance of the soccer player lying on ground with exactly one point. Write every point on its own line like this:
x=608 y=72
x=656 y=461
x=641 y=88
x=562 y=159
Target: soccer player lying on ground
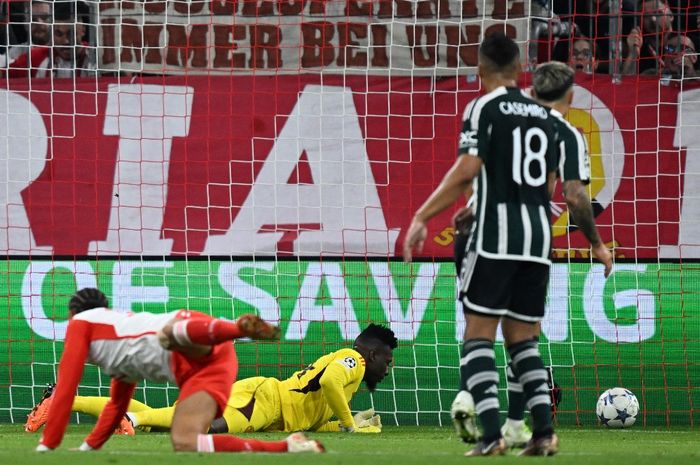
x=306 y=401
x=189 y=348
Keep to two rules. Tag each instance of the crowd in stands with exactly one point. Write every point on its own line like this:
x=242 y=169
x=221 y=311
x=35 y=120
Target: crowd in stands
x=655 y=37
x=43 y=38
x=46 y=38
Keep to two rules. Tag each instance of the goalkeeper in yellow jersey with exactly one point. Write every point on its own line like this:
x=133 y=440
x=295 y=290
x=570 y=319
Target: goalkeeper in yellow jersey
x=306 y=401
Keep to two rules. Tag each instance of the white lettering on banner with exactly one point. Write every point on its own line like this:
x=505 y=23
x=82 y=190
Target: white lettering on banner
x=555 y=325
x=326 y=282
x=23 y=147
x=342 y=203
x=594 y=307
x=146 y=118
x=688 y=136
x=32 y=295
x=340 y=309
x=125 y=294
x=405 y=325
x=231 y=282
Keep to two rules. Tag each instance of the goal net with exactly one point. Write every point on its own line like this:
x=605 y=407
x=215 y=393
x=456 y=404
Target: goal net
x=267 y=156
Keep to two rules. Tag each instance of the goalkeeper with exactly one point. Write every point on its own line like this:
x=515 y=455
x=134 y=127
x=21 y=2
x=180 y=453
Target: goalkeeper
x=306 y=401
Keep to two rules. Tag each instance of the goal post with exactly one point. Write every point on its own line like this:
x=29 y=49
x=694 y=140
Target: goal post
x=259 y=156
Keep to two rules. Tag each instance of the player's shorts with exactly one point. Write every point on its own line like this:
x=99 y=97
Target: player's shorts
x=213 y=374
x=504 y=288
x=254 y=405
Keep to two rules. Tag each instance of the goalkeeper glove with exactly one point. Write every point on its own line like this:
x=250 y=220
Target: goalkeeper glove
x=367 y=418
x=368 y=429
x=361 y=429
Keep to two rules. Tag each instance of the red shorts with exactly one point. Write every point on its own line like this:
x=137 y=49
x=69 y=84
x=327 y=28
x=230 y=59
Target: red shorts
x=213 y=374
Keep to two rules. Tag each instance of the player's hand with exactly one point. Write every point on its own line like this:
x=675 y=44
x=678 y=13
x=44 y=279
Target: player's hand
x=462 y=220
x=368 y=429
x=602 y=253
x=367 y=418
x=634 y=42
x=415 y=238
x=376 y=420
x=363 y=416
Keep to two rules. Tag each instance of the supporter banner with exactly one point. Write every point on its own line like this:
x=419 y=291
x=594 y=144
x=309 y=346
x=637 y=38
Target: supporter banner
x=633 y=329
x=221 y=36
x=310 y=165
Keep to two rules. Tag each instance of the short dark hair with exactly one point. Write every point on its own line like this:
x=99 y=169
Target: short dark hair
x=378 y=333
x=552 y=80
x=499 y=52
x=86 y=299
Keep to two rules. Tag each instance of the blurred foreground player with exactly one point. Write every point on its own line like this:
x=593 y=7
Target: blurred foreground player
x=185 y=347
x=306 y=401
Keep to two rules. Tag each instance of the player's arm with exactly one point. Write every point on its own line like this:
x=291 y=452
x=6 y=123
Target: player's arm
x=473 y=141
x=575 y=172
x=332 y=386
x=331 y=426
x=336 y=376
x=70 y=370
x=120 y=396
x=581 y=212
x=365 y=421
x=456 y=182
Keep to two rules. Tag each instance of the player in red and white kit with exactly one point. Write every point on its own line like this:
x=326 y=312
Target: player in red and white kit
x=184 y=347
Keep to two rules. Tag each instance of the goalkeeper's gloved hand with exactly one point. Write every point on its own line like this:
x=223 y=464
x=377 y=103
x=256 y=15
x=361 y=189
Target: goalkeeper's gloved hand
x=368 y=429
x=367 y=418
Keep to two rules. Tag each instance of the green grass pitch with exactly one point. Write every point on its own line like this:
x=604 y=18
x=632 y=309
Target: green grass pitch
x=394 y=446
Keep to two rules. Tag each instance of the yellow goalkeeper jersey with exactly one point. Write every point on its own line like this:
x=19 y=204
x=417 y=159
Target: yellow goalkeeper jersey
x=310 y=397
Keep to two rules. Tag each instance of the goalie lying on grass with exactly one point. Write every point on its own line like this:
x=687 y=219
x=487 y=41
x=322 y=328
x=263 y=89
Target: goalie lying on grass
x=306 y=401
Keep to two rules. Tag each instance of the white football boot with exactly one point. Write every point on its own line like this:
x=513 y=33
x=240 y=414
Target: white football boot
x=463 y=415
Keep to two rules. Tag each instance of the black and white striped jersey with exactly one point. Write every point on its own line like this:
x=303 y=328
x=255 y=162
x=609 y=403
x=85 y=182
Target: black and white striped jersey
x=516 y=140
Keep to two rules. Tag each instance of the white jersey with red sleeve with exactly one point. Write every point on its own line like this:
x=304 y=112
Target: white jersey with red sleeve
x=123 y=345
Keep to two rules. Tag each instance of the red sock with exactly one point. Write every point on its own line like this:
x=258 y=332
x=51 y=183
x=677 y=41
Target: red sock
x=206 y=330
x=229 y=443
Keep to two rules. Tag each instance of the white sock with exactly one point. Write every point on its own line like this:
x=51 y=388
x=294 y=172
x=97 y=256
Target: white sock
x=517 y=424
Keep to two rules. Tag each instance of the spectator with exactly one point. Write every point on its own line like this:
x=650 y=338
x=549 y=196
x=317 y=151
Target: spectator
x=678 y=58
x=67 y=55
x=70 y=54
x=38 y=23
x=578 y=53
x=593 y=20
x=645 y=42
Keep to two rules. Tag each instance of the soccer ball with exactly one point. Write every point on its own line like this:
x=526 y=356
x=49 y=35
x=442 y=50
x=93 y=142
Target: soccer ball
x=617 y=408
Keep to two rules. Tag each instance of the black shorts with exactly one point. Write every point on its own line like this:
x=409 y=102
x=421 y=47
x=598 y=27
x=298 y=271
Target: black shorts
x=511 y=288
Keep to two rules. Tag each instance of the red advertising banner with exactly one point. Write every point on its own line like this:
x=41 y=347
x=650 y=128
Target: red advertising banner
x=310 y=165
